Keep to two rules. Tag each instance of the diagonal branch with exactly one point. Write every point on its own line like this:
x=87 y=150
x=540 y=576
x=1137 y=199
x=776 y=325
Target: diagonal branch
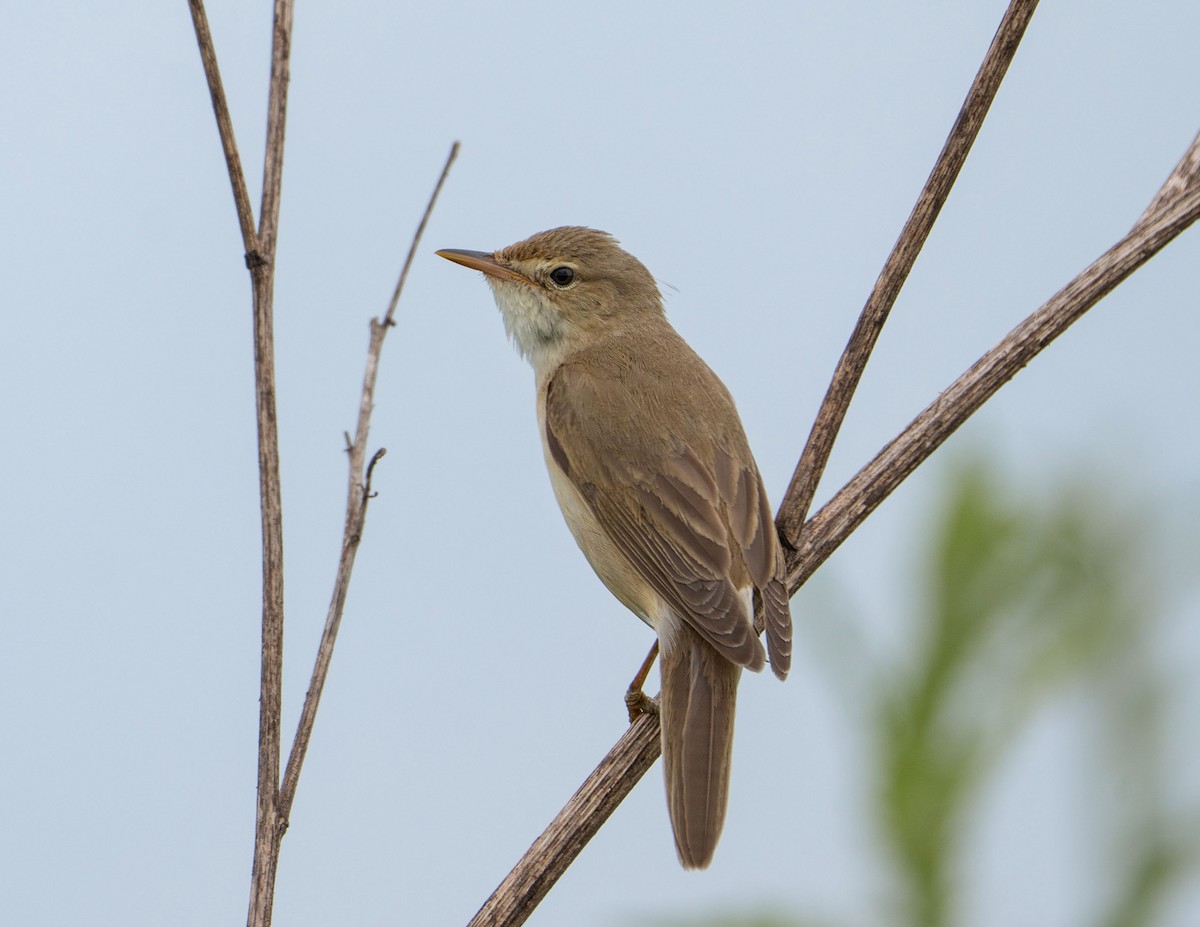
x=358 y=495
x=216 y=90
x=566 y=836
x=412 y=253
x=537 y=871
x=835 y=522
x=799 y=496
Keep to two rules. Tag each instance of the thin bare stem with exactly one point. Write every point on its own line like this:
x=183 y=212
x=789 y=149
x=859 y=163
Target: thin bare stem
x=583 y=815
x=412 y=251
x=274 y=802
x=811 y=466
x=260 y=259
x=826 y=530
x=281 y=50
x=356 y=518
x=537 y=871
x=262 y=270
x=358 y=495
x=216 y=90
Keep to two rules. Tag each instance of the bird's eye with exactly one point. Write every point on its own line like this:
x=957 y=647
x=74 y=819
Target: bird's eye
x=562 y=276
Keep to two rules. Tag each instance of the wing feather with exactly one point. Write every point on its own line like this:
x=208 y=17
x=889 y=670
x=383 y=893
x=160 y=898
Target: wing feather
x=690 y=516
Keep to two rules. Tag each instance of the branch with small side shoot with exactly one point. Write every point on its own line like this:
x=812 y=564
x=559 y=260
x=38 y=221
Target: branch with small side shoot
x=275 y=795
x=358 y=493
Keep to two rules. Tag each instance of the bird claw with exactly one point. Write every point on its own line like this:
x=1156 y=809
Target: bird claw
x=639 y=703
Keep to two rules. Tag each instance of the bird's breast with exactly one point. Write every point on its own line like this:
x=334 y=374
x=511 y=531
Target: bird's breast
x=613 y=567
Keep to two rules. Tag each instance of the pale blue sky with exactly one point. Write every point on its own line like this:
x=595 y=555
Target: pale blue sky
x=760 y=159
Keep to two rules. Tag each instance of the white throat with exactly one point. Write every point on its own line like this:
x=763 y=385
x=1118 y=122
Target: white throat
x=536 y=327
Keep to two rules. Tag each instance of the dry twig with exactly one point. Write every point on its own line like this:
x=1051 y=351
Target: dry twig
x=275 y=800
x=260 y=259
x=837 y=519
x=233 y=162
x=579 y=820
x=358 y=494
x=798 y=499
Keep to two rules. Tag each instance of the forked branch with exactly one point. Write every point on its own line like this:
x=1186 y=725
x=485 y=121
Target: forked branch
x=275 y=800
x=837 y=519
x=260 y=259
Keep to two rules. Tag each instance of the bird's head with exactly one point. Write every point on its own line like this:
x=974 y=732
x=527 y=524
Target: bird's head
x=561 y=290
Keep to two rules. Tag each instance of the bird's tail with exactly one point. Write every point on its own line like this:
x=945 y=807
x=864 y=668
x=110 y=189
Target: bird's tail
x=699 y=695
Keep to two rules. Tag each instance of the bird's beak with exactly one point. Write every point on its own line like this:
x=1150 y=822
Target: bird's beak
x=482 y=261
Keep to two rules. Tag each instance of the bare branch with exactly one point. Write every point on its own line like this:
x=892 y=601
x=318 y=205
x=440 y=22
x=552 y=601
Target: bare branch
x=260 y=259
x=583 y=815
x=281 y=50
x=262 y=270
x=357 y=497
x=437 y=189
x=216 y=90
x=274 y=802
x=799 y=496
x=874 y=482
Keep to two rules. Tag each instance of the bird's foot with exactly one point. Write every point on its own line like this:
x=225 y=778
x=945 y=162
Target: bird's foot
x=639 y=703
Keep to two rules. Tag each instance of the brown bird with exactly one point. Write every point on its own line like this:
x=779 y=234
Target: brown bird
x=651 y=468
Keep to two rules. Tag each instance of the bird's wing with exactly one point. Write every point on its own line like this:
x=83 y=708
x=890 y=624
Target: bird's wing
x=679 y=520
x=753 y=529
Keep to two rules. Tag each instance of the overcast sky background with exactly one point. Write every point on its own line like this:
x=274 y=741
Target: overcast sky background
x=760 y=160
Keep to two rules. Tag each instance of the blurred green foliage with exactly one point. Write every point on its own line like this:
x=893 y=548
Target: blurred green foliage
x=1024 y=599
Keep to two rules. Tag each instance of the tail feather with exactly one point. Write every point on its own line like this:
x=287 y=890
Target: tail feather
x=699 y=695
